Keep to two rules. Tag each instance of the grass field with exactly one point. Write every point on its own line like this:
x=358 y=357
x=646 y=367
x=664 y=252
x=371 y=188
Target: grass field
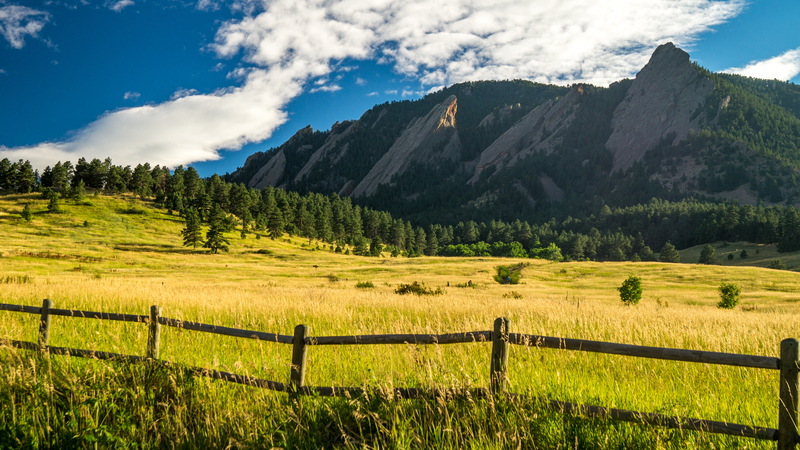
x=118 y=254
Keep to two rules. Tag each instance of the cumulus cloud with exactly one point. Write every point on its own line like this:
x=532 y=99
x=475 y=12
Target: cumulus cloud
x=783 y=67
x=284 y=45
x=360 y=81
x=131 y=96
x=16 y=22
x=182 y=93
x=218 y=68
x=118 y=5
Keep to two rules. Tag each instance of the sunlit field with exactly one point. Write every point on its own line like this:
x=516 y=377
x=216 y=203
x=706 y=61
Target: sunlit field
x=118 y=254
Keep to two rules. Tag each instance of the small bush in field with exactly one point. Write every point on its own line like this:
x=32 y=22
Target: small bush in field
x=631 y=290
x=417 y=288
x=728 y=295
x=365 y=285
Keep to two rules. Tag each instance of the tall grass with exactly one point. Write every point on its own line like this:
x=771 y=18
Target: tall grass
x=60 y=402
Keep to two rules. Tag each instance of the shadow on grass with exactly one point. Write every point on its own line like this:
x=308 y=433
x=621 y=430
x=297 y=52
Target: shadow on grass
x=159 y=248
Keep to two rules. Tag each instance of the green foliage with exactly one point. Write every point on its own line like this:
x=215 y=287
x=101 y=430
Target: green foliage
x=728 y=295
x=509 y=274
x=730 y=256
x=708 y=255
x=631 y=290
x=365 y=285
x=215 y=237
x=417 y=288
x=743 y=255
x=192 y=235
x=26 y=212
x=777 y=264
x=55 y=204
x=669 y=254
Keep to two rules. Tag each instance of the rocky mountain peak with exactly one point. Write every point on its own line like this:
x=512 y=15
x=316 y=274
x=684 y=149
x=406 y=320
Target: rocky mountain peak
x=659 y=104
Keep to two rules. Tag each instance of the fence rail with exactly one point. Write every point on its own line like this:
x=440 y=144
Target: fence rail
x=501 y=338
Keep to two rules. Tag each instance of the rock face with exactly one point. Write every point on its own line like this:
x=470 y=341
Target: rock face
x=659 y=104
x=271 y=174
x=539 y=130
x=425 y=140
x=338 y=131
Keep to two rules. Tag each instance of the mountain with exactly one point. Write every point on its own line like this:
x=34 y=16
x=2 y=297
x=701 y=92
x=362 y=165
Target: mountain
x=516 y=149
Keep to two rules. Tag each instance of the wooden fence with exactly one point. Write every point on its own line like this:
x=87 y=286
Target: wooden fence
x=501 y=338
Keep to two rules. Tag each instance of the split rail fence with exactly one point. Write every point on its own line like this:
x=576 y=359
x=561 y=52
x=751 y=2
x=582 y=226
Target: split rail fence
x=501 y=338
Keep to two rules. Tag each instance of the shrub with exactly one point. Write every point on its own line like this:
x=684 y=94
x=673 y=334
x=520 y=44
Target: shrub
x=708 y=255
x=26 y=212
x=728 y=295
x=743 y=255
x=509 y=274
x=512 y=294
x=365 y=285
x=730 y=256
x=417 y=288
x=777 y=265
x=631 y=290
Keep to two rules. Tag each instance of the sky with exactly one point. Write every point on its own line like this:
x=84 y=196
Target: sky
x=206 y=83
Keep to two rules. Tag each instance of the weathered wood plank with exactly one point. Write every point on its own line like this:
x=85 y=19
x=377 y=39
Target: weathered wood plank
x=788 y=404
x=498 y=369
x=226 y=331
x=44 y=325
x=670 y=354
x=684 y=423
x=20 y=308
x=297 y=373
x=154 y=333
x=377 y=339
x=99 y=315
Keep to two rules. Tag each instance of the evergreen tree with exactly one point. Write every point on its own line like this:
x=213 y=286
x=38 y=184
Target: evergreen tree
x=192 y=235
x=275 y=223
x=708 y=255
x=26 y=212
x=669 y=254
x=215 y=238
x=432 y=246
x=55 y=204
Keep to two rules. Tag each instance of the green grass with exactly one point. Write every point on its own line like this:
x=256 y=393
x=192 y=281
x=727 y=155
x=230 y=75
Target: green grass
x=126 y=262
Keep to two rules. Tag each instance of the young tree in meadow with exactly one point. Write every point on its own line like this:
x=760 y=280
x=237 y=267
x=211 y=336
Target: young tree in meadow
x=55 y=204
x=215 y=237
x=708 y=255
x=192 y=235
x=669 y=254
x=275 y=223
x=26 y=212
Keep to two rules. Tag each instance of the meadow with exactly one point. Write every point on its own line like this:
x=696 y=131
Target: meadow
x=119 y=254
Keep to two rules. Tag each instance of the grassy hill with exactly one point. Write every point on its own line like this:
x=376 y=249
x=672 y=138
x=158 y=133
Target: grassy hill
x=118 y=254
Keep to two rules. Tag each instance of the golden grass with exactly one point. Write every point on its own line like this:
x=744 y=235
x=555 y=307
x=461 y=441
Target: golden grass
x=125 y=262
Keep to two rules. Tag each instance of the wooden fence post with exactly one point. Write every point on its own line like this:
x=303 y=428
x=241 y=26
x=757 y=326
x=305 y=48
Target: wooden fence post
x=298 y=373
x=787 y=413
x=499 y=366
x=154 y=336
x=44 y=325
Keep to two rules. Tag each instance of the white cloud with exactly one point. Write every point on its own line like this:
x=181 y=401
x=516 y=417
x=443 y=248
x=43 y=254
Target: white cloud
x=16 y=22
x=285 y=44
x=372 y=94
x=3 y=72
x=360 y=81
x=326 y=88
x=187 y=129
x=131 y=96
x=118 y=5
x=783 y=67
x=180 y=93
x=218 y=68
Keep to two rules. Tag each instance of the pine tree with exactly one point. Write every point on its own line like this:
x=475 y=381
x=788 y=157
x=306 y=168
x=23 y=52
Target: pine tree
x=192 y=235
x=26 y=212
x=432 y=246
x=215 y=238
x=55 y=203
x=275 y=223
x=669 y=254
x=708 y=255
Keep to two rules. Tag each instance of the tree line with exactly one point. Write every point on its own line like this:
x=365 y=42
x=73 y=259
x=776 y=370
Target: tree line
x=629 y=233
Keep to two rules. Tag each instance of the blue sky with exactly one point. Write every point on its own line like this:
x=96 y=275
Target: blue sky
x=208 y=82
